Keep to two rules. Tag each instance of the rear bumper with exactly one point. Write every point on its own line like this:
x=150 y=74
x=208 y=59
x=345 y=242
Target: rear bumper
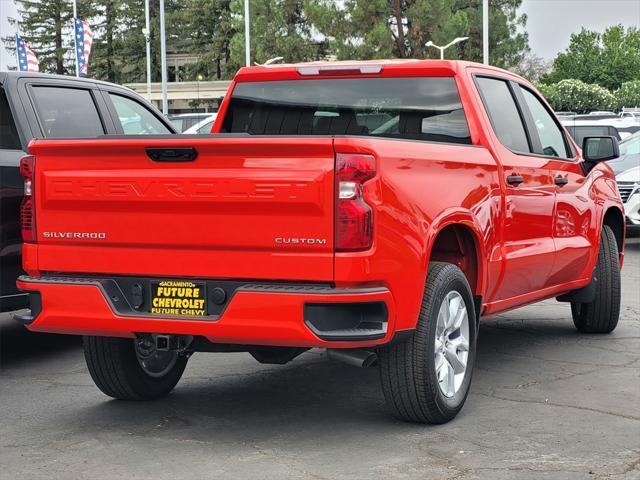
x=277 y=315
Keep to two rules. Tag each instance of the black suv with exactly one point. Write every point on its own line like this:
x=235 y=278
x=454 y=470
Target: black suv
x=34 y=105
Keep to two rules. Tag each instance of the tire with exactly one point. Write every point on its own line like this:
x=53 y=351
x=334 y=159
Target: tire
x=115 y=368
x=601 y=315
x=408 y=374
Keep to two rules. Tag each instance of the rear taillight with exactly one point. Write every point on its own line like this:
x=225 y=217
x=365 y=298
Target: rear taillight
x=28 y=208
x=354 y=217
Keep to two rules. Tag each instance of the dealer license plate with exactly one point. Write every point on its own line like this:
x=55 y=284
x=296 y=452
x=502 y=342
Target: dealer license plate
x=179 y=297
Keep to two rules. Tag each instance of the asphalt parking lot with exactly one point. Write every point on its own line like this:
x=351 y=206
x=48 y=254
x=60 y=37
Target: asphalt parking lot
x=546 y=402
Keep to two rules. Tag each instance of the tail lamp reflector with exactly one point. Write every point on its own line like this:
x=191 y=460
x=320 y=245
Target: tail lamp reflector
x=28 y=209
x=354 y=216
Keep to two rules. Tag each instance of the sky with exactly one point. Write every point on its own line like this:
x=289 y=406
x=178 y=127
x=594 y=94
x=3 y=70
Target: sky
x=550 y=22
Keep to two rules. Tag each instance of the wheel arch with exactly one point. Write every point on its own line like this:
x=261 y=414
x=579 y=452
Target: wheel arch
x=456 y=239
x=614 y=219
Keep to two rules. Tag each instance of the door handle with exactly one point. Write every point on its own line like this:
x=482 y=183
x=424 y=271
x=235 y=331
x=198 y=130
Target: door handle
x=172 y=154
x=561 y=180
x=515 y=179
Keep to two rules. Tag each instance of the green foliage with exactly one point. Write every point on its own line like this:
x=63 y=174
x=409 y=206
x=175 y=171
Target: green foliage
x=369 y=29
x=549 y=92
x=279 y=28
x=577 y=96
x=211 y=32
x=47 y=27
x=607 y=59
x=211 y=26
x=628 y=95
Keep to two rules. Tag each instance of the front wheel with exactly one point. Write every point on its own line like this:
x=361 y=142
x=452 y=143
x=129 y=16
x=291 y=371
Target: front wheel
x=426 y=379
x=132 y=369
x=601 y=315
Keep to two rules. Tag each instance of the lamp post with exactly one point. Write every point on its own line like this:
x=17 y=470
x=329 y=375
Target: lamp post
x=485 y=32
x=442 y=49
x=163 y=61
x=247 y=35
x=146 y=31
x=199 y=77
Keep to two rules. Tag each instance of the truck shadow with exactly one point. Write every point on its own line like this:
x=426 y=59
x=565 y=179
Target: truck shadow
x=18 y=345
x=310 y=394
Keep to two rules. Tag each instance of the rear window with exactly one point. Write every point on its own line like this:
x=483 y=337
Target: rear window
x=421 y=108
x=580 y=132
x=67 y=112
x=9 y=139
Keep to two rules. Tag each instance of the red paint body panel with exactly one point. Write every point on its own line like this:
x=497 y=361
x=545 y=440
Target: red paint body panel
x=252 y=318
x=221 y=216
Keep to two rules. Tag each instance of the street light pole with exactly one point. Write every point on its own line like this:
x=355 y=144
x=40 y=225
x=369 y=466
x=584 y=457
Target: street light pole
x=163 y=55
x=147 y=38
x=442 y=49
x=485 y=32
x=247 y=33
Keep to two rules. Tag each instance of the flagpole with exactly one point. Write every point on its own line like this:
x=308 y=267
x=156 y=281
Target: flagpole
x=163 y=55
x=75 y=37
x=17 y=53
x=247 y=33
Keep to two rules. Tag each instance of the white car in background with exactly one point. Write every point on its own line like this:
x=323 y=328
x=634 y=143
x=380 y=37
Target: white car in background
x=627 y=170
x=629 y=187
x=624 y=126
x=202 y=127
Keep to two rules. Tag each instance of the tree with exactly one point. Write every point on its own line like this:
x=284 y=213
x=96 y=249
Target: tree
x=628 y=95
x=607 y=59
x=279 y=28
x=531 y=67
x=365 y=29
x=577 y=96
x=508 y=40
x=211 y=27
x=103 y=61
x=47 y=27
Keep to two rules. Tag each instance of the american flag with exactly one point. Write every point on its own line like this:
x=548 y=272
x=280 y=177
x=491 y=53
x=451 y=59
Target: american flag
x=84 y=40
x=27 y=61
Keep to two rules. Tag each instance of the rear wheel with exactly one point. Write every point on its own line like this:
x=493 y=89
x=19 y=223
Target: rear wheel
x=427 y=378
x=132 y=369
x=601 y=315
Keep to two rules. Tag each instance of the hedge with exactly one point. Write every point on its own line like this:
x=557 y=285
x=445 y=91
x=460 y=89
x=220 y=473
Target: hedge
x=576 y=96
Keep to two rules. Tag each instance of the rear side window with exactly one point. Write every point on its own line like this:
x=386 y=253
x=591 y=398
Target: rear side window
x=135 y=118
x=67 y=112
x=504 y=115
x=579 y=132
x=421 y=108
x=9 y=139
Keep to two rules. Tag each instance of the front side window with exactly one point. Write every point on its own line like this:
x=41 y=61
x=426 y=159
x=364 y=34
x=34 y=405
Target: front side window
x=503 y=113
x=135 y=118
x=421 y=108
x=551 y=137
x=9 y=139
x=67 y=112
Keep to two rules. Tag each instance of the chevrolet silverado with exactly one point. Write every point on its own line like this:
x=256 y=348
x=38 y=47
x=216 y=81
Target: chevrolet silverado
x=374 y=209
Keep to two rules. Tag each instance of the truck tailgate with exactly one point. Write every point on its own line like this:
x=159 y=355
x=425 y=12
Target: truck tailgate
x=246 y=207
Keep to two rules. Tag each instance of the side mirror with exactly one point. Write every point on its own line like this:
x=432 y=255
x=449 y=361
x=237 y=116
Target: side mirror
x=600 y=149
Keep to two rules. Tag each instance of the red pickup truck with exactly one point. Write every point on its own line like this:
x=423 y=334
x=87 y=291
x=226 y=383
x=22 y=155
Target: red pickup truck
x=375 y=209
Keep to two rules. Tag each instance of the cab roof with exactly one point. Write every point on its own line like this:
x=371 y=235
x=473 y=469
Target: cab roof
x=358 y=68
